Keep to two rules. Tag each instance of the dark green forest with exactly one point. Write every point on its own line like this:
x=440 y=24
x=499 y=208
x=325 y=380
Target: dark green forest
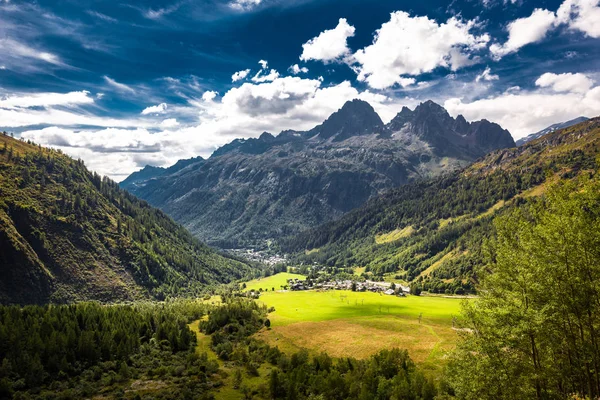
x=68 y=234
x=76 y=351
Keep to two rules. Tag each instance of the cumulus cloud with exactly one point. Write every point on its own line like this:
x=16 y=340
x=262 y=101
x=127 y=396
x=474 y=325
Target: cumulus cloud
x=581 y=15
x=414 y=45
x=209 y=95
x=246 y=111
x=158 y=109
x=486 y=75
x=526 y=111
x=296 y=69
x=240 y=75
x=264 y=64
x=330 y=45
x=567 y=82
x=169 y=123
x=578 y=15
x=524 y=31
x=262 y=76
x=121 y=87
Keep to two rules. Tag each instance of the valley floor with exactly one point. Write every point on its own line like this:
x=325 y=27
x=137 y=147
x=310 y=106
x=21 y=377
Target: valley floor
x=354 y=324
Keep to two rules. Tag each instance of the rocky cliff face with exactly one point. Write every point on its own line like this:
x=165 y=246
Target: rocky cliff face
x=252 y=190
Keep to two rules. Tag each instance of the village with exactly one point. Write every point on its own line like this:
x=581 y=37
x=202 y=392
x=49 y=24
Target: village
x=386 y=288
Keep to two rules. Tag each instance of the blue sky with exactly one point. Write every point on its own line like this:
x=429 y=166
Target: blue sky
x=125 y=84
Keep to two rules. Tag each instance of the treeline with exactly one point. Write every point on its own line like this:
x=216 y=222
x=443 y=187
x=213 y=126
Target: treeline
x=79 y=350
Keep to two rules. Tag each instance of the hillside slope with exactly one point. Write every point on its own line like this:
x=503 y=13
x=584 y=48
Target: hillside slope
x=253 y=190
x=66 y=234
x=431 y=232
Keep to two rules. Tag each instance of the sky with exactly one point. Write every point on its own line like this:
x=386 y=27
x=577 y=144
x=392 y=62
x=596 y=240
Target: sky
x=124 y=84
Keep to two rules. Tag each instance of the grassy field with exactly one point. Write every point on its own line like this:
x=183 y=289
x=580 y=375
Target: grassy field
x=273 y=281
x=344 y=324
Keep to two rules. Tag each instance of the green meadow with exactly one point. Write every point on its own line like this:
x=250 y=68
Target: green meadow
x=273 y=281
x=291 y=307
x=357 y=324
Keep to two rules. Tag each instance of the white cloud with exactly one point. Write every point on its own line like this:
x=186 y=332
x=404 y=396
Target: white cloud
x=169 y=123
x=581 y=15
x=121 y=87
x=158 y=109
x=262 y=77
x=240 y=75
x=524 y=31
x=21 y=117
x=161 y=12
x=567 y=82
x=264 y=64
x=487 y=75
x=209 y=95
x=18 y=55
x=285 y=103
x=103 y=17
x=243 y=5
x=414 y=45
x=330 y=45
x=46 y=100
x=526 y=111
x=296 y=69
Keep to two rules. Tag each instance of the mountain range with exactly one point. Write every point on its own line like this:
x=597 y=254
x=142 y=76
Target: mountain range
x=66 y=234
x=251 y=191
x=431 y=232
x=550 y=129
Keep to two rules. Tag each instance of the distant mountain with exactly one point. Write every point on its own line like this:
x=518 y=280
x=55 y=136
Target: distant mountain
x=253 y=190
x=430 y=233
x=550 y=129
x=66 y=234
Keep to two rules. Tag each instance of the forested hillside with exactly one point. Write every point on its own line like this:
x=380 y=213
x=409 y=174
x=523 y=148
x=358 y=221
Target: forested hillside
x=431 y=233
x=67 y=234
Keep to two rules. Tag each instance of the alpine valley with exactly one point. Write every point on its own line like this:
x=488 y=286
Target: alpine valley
x=391 y=222
x=254 y=190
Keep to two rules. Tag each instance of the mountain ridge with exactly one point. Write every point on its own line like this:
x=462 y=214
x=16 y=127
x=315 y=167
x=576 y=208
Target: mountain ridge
x=431 y=232
x=264 y=188
x=549 y=129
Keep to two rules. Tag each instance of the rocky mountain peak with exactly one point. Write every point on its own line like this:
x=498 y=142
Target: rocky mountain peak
x=356 y=117
x=266 y=136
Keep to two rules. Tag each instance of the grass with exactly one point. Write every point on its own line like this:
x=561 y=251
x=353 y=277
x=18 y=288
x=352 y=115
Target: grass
x=394 y=235
x=353 y=324
x=273 y=281
x=448 y=256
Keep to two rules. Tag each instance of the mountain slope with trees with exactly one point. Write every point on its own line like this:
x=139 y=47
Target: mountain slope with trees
x=253 y=190
x=431 y=232
x=536 y=321
x=66 y=234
